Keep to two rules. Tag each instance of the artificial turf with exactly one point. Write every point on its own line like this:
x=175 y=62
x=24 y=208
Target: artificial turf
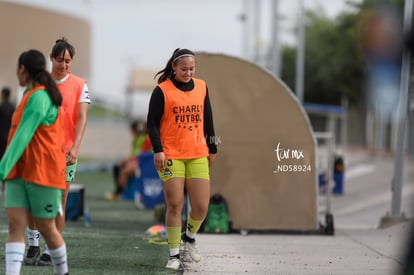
x=114 y=243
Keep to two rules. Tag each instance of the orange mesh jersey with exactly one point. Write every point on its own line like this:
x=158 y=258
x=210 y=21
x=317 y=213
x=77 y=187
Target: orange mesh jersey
x=71 y=90
x=43 y=160
x=182 y=124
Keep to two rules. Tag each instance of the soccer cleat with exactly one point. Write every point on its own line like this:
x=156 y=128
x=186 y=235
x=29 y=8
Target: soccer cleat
x=184 y=255
x=44 y=260
x=193 y=251
x=32 y=253
x=174 y=264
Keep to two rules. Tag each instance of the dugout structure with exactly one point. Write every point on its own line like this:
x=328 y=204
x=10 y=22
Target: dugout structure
x=24 y=27
x=266 y=162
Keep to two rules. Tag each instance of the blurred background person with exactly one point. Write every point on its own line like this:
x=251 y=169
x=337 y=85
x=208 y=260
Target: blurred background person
x=126 y=168
x=383 y=40
x=6 y=112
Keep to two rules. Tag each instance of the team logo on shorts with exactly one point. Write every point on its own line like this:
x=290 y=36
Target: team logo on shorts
x=169 y=162
x=48 y=208
x=167 y=172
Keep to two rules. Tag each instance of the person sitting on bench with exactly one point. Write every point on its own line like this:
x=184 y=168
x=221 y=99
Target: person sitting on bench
x=126 y=168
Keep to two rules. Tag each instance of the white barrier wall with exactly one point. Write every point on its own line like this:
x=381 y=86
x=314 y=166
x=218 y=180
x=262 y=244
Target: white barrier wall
x=265 y=166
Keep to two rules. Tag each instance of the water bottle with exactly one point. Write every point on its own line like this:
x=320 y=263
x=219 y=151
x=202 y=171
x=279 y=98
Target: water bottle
x=87 y=218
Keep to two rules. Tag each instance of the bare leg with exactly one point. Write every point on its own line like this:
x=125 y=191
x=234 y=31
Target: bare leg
x=17 y=224
x=60 y=219
x=199 y=196
x=174 y=198
x=50 y=233
x=126 y=172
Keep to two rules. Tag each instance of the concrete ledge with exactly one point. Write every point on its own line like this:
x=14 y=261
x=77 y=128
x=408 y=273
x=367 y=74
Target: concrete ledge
x=388 y=221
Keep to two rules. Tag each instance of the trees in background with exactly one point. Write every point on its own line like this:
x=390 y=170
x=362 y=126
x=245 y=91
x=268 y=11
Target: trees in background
x=335 y=60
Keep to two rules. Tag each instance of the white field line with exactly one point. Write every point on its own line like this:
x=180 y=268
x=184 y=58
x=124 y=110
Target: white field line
x=358 y=171
x=408 y=190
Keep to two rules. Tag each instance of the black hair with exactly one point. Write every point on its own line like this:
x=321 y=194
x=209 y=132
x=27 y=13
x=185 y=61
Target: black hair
x=61 y=46
x=168 y=72
x=35 y=64
x=5 y=92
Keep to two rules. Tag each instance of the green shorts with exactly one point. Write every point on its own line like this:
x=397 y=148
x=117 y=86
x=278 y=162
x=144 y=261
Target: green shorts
x=43 y=202
x=186 y=168
x=70 y=171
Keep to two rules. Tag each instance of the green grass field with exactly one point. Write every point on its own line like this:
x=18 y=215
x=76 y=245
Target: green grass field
x=115 y=243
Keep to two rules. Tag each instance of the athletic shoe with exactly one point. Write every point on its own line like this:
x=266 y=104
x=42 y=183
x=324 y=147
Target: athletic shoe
x=44 y=260
x=174 y=264
x=32 y=253
x=193 y=251
x=184 y=255
x=112 y=197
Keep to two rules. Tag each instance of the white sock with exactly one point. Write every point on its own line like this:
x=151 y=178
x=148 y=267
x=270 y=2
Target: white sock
x=14 y=258
x=33 y=236
x=59 y=260
x=174 y=251
x=46 y=251
x=189 y=234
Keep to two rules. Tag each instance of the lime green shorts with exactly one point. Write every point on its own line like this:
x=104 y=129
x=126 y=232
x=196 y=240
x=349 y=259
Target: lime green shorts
x=185 y=168
x=43 y=202
x=70 y=171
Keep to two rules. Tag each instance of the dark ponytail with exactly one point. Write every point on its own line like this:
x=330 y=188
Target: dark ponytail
x=168 y=72
x=35 y=65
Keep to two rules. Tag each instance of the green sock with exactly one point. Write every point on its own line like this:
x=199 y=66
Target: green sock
x=192 y=227
x=174 y=237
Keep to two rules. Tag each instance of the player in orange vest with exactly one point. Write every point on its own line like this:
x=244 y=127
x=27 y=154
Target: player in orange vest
x=75 y=107
x=180 y=125
x=34 y=164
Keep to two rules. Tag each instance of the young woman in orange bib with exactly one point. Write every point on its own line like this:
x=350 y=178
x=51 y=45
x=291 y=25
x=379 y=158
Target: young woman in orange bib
x=34 y=164
x=180 y=125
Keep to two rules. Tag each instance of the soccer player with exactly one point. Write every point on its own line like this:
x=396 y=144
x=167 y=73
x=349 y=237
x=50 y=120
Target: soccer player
x=75 y=107
x=180 y=125
x=34 y=164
